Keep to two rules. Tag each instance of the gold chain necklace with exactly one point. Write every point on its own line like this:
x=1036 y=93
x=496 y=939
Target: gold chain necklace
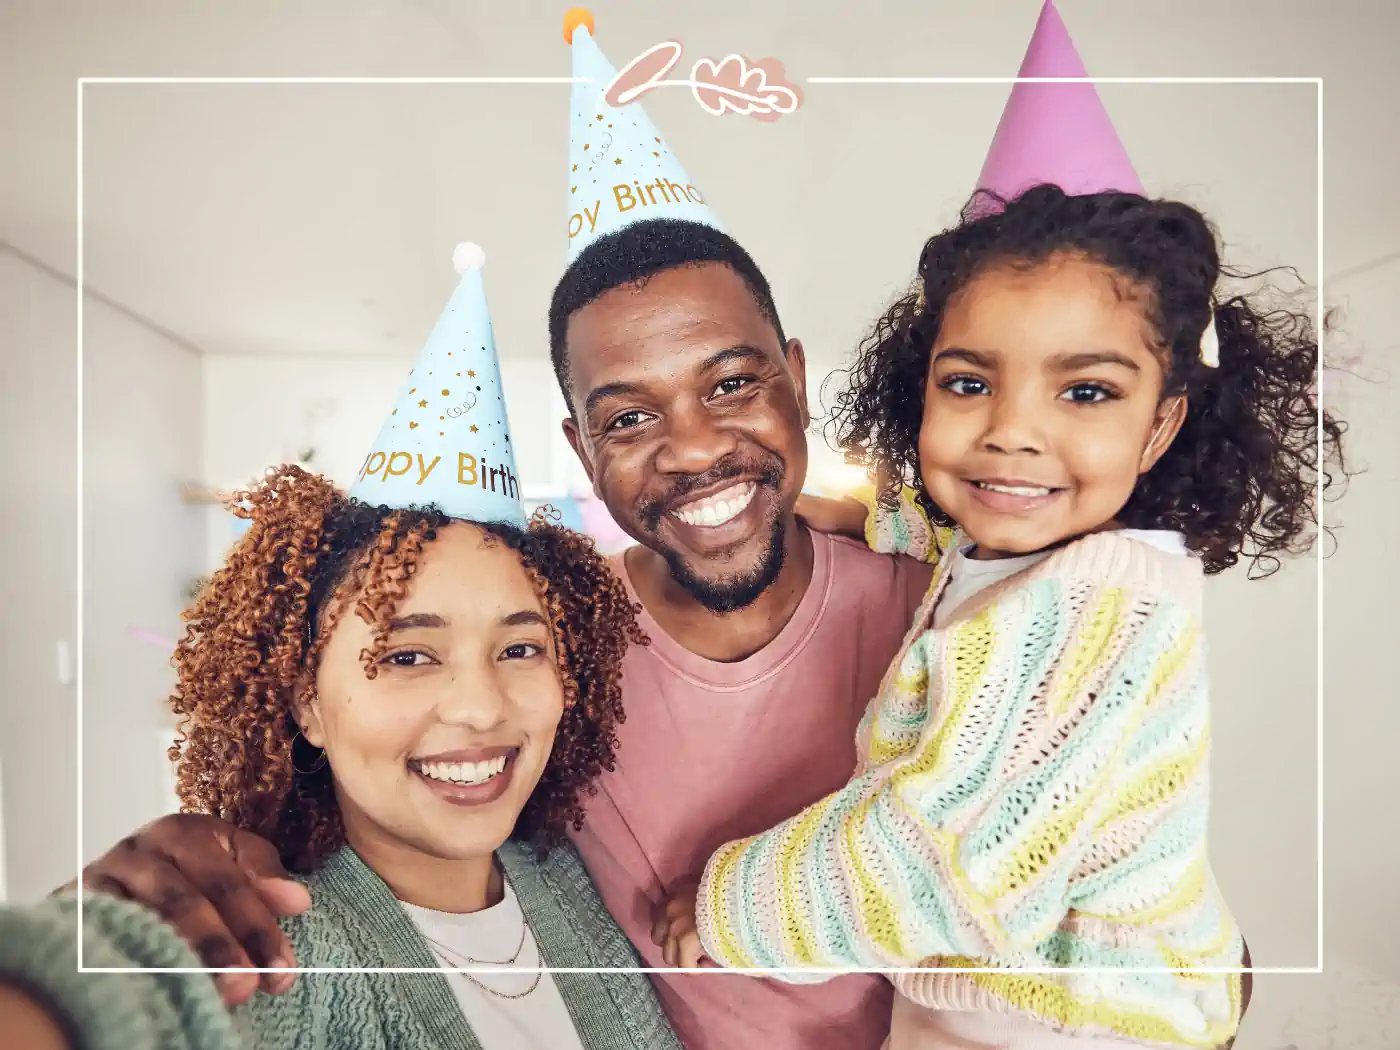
x=484 y=962
x=444 y=949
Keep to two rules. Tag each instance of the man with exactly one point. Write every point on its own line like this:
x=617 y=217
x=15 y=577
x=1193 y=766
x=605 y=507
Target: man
x=688 y=410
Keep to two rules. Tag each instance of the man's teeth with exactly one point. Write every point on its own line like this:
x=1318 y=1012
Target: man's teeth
x=462 y=772
x=719 y=508
x=1013 y=490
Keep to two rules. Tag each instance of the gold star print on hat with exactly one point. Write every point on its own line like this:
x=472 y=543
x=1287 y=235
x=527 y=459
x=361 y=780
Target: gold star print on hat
x=462 y=462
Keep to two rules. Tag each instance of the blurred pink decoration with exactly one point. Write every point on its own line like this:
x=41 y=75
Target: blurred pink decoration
x=154 y=639
x=1056 y=133
x=598 y=523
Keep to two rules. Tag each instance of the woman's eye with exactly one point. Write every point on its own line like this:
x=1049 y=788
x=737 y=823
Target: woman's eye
x=522 y=651
x=733 y=384
x=627 y=421
x=1088 y=393
x=408 y=658
x=966 y=386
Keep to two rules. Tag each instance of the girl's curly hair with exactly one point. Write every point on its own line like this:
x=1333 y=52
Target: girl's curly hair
x=256 y=631
x=1241 y=476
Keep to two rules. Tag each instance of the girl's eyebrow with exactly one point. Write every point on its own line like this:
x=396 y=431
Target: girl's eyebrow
x=973 y=357
x=1089 y=358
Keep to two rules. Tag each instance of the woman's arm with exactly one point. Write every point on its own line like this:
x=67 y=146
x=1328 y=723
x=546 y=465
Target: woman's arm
x=984 y=794
x=28 y=1023
x=164 y=1011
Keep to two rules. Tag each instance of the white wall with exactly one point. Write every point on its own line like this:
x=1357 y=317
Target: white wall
x=1355 y=1003
x=142 y=547
x=38 y=521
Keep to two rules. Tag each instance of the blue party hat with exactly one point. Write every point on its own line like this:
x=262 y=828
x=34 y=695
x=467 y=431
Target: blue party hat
x=620 y=169
x=447 y=441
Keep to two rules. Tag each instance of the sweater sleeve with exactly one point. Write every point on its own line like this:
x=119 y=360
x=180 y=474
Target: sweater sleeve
x=998 y=751
x=160 y=1011
x=904 y=530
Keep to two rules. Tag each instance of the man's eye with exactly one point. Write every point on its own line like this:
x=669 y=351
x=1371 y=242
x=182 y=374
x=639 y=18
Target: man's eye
x=627 y=421
x=733 y=384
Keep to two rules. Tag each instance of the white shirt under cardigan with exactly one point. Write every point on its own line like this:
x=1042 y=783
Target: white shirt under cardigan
x=967 y=576
x=538 y=1020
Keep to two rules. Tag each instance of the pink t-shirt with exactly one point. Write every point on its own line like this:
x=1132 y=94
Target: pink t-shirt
x=712 y=752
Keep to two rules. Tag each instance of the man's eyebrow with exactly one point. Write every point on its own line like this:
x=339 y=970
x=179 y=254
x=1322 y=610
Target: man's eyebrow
x=600 y=394
x=741 y=352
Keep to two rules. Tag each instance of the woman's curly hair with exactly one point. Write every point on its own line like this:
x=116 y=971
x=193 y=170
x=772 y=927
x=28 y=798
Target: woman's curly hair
x=256 y=631
x=1241 y=476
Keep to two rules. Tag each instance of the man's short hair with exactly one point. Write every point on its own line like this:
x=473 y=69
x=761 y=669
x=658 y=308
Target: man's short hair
x=632 y=256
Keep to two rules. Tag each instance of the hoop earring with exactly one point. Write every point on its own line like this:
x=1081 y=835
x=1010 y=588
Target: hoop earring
x=320 y=756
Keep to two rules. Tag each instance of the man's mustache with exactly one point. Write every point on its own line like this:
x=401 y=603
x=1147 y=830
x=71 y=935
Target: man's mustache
x=768 y=471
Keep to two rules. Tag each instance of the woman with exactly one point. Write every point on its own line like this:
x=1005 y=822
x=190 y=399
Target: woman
x=411 y=708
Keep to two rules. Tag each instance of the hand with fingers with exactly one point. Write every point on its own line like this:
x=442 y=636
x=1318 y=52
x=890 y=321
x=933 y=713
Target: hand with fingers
x=673 y=927
x=223 y=889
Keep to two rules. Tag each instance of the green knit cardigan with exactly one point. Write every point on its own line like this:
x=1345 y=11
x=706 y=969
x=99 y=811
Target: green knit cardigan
x=354 y=921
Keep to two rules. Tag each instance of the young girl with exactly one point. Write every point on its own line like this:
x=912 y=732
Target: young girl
x=1068 y=391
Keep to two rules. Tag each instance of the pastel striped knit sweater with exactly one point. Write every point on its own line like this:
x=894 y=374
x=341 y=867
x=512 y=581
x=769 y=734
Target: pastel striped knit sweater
x=1032 y=792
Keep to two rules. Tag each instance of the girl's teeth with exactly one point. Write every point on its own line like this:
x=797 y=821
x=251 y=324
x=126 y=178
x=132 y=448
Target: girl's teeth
x=1013 y=490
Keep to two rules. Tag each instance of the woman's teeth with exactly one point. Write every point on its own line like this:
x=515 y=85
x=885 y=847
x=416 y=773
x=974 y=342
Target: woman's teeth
x=719 y=508
x=1014 y=490
x=462 y=772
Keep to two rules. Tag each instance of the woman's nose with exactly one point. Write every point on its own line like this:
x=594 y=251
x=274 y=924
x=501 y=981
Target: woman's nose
x=477 y=704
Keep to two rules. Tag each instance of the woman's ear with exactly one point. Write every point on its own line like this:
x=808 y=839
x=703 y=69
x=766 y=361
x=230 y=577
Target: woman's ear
x=305 y=711
x=1171 y=414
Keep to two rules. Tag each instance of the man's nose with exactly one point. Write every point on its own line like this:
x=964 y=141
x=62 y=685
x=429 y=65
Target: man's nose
x=694 y=441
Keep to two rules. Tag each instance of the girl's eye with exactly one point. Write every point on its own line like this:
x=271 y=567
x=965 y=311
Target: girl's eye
x=1088 y=393
x=408 y=658
x=966 y=386
x=733 y=384
x=627 y=421
x=522 y=651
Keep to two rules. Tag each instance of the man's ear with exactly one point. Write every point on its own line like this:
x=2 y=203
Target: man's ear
x=1171 y=414
x=796 y=359
x=575 y=439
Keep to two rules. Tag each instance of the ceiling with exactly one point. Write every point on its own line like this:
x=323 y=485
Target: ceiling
x=319 y=219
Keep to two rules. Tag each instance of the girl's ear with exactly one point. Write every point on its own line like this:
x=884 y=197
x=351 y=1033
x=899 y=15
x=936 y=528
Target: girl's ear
x=1171 y=413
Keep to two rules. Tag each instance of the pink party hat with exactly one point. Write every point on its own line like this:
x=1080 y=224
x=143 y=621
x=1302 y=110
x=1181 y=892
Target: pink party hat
x=1056 y=133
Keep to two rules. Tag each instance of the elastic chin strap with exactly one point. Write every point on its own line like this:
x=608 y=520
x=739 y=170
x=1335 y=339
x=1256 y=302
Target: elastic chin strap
x=1210 y=343
x=1152 y=441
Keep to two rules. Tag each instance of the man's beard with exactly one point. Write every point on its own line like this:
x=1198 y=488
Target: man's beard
x=733 y=591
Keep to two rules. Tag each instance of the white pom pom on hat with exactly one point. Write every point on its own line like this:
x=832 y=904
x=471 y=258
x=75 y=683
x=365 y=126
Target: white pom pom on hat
x=468 y=256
